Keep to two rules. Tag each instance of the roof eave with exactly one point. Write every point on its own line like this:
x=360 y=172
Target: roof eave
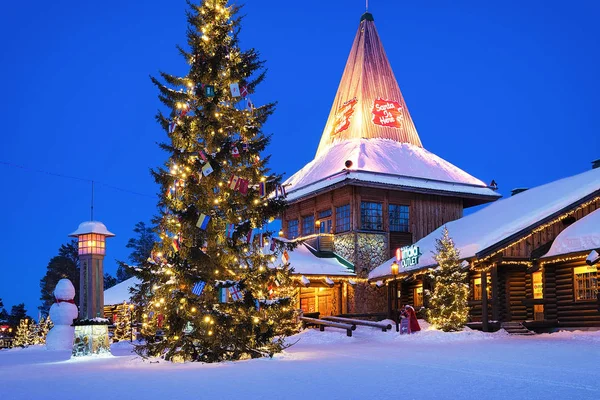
x=505 y=242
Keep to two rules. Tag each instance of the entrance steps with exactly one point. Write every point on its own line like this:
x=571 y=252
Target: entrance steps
x=516 y=328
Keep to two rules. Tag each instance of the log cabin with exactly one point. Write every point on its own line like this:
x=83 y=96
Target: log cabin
x=372 y=187
x=526 y=257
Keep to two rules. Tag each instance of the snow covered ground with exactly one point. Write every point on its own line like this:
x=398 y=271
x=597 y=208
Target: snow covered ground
x=329 y=365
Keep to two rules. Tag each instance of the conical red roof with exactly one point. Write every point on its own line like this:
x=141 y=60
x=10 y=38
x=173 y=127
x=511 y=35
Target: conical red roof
x=368 y=103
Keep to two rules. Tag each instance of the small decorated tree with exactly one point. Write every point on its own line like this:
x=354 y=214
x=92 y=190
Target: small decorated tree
x=448 y=302
x=123 y=324
x=24 y=333
x=40 y=331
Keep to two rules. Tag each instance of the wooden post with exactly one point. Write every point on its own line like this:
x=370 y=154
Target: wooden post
x=395 y=296
x=495 y=302
x=484 y=301
x=389 y=300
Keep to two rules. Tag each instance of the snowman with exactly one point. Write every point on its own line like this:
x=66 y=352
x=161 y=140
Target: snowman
x=62 y=314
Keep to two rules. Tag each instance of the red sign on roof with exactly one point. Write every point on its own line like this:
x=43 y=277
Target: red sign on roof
x=343 y=115
x=387 y=113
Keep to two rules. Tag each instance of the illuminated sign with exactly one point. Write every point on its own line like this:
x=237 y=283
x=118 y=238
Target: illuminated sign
x=387 y=113
x=408 y=256
x=343 y=116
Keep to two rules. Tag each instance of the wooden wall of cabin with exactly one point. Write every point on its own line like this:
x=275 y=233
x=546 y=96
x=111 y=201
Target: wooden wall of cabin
x=324 y=300
x=427 y=212
x=516 y=282
x=475 y=305
x=524 y=248
x=561 y=303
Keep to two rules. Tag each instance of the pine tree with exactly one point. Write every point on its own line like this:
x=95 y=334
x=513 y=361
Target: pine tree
x=448 y=303
x=123 y=324
x=211 y=202
x=24 y=334
x=40 y=330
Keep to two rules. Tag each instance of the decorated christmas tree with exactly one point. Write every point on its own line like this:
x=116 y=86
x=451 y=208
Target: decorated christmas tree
x=40 y=330
x=123 y=324
x=24 y=336
x=448 y=302
x=217 y=286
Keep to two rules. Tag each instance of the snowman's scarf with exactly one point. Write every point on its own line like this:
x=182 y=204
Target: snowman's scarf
x=58 y=301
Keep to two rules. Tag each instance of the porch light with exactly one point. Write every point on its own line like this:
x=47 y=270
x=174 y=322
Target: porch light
x=318 y=223
x=395 y=268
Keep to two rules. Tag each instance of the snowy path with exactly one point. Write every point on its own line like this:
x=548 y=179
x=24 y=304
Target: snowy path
x=329 y=365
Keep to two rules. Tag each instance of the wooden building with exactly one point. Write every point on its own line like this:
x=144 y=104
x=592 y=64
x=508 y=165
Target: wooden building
x=371 y=186
x=526 y=257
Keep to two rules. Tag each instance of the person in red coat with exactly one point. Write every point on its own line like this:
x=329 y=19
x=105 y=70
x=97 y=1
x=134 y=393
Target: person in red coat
x=412 y=315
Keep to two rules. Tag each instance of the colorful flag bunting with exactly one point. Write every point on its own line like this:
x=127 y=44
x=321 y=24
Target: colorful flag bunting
x=245 y=147
x=249 y=236
x=235 y=89
x=244 y=91
x=250 y=105
x=234 y=151
x=233 y=182
x=285 y=257
x=172 y=125
x=175 y=244
x=229 y=229
x=202 y=156
x=236 y=293
x=209 y=91
x=198 y=288
x=203 y=221
x=243 y=186
x=207 y=169
x=273 y=244
x=262 y=189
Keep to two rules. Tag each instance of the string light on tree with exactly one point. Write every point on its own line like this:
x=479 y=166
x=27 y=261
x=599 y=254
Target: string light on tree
x=211 y=207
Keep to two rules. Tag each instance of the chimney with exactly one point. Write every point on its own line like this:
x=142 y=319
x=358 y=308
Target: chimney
x=517 y=191
x=596 y=164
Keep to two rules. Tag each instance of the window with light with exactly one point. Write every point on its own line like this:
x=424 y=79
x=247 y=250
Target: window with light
x=418 y=296
x=586 y=282
x=92 y=243
x=371 y=216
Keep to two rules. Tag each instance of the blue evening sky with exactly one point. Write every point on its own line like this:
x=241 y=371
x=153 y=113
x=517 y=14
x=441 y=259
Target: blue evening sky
x=506 y=90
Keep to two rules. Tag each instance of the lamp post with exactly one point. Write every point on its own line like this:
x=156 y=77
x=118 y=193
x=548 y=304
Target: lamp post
x=395 y=269
x=91 y=237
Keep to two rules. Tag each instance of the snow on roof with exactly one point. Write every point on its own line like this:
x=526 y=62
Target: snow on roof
x=120 y=292
x=582 y=235
x=306 y=262
x=383 y=161
x=92 y=227
x=501 y=219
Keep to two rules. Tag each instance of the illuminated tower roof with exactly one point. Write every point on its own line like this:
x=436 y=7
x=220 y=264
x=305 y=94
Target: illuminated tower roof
x=370 y=138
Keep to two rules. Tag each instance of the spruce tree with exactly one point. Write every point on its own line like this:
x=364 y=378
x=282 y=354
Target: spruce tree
x=205 y=290
x=40 y=330
x=123 y=324
x=448 y=302
x=24 y=335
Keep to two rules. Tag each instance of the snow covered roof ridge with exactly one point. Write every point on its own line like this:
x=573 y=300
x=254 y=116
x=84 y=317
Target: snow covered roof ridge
x=384 y=161
x=368 y=103
x=500 y=223
x=582 y=235
x=92 y=227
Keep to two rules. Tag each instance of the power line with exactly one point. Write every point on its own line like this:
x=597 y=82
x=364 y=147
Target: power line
x=93 y=181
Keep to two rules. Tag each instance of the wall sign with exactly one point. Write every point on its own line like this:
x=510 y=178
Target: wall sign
x=408 y=256
x=387 y=113
x=343 y=116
